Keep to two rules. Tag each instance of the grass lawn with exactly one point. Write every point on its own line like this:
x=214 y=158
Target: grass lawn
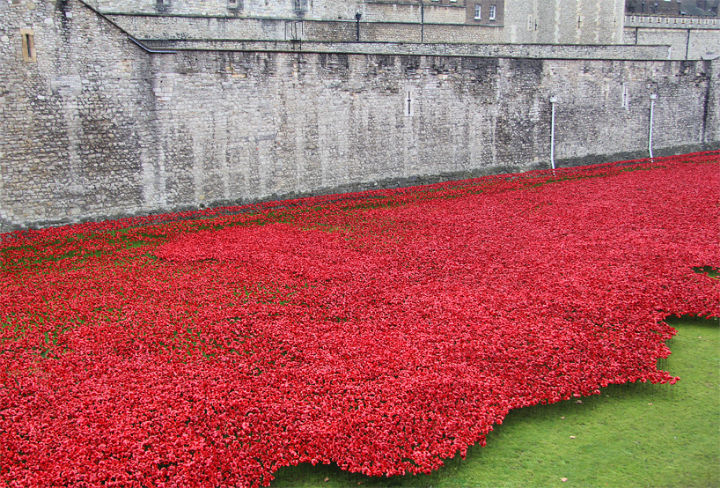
x=636 y=435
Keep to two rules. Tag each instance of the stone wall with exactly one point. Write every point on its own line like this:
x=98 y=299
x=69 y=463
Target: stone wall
x=410 y=12
x=688 y=38
x=547 y=22
x=169 y=27
x=517 y=21
x=77 y=133
x=219 y=28
x=372 y=11
x=316 y=9
x=683 y=44
x=542 y=51
x=564 y=21
x=651 y=21
x=99 y=127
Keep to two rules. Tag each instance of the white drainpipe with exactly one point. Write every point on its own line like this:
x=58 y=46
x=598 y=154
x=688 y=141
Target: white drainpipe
x=552 y=132
x=653 y=96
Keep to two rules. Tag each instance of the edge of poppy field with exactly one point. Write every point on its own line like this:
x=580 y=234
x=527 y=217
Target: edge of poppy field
x=275 y=203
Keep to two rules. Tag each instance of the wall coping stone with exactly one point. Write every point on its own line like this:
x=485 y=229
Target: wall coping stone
x=539 y=51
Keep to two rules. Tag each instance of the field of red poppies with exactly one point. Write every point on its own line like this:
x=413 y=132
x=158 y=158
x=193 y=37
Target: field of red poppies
x=384 y=331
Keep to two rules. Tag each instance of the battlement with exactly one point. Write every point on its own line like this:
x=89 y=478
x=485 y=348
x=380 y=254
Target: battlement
x=668 y=22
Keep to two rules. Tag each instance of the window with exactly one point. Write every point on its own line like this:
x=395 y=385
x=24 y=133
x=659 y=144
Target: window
x=28 y=45
x=478 y=12
x=493 y=10
x=232 y=4
x=162 y=6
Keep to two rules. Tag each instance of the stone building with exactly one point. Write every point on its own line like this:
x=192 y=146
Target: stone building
x=562 y=22
x=110 y=113
x=700 y=8
x=497 y=21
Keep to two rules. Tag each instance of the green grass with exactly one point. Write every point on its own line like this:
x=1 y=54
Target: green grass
x=630 y=436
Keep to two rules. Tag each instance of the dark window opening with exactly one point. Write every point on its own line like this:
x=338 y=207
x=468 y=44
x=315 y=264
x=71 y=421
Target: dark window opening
x=29 y=45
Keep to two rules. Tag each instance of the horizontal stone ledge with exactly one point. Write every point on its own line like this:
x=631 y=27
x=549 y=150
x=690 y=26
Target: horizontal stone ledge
x=541 y=51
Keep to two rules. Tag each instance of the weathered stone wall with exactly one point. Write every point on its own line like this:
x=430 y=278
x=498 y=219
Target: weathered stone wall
x=372 y=11
x=410 y=12
x=652 y=21
x=316 y=9
x=77 y=134
x=683 y=43
x=517 y=21
x=564 y=21
x=687 y=38
x=543 y=51
x=219 y=28
x=547 y=22
x=152 y=27
x=98 y=127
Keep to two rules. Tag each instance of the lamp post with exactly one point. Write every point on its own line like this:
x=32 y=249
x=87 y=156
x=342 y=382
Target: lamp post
x=553 y=100
x=653 y=96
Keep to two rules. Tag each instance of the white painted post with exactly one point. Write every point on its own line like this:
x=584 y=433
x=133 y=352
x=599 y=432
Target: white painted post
x=552 y=132
x=653 y=96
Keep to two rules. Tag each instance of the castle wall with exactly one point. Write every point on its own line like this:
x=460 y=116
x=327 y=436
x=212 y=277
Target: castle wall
x=372 y=11
x=541 y=51
x=77 y=134
x=199 y=28
x=692 y=40
x=564 y=21
x=683 y=44
x=97 y=127
x=316 y=9
x=688 y=38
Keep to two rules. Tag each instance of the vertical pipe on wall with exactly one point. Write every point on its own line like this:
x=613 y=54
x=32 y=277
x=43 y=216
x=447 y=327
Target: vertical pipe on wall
x=653 y=96
x=552 y=132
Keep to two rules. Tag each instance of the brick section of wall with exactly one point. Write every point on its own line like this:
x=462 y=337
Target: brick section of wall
x=98 y=127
